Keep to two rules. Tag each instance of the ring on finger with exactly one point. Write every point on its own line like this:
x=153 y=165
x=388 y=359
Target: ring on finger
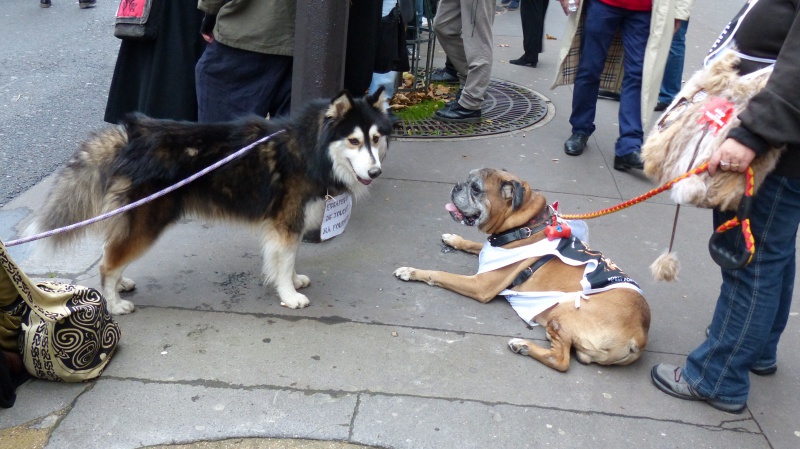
x=724 y=163
x=734 y=165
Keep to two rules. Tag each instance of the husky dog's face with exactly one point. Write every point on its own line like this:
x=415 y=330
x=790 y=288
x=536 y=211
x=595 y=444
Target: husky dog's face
x=360 y=131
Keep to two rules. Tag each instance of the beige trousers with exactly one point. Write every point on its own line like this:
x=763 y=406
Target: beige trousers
x=464 y=30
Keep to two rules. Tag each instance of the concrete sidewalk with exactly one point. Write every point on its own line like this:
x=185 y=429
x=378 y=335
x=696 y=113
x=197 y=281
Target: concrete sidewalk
x=209 y=355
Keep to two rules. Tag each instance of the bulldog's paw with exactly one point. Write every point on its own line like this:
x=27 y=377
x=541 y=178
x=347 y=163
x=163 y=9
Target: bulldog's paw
x=405 y=273
x=301 y=280
x=518 y=345
x=295 y=301
x=451 y=240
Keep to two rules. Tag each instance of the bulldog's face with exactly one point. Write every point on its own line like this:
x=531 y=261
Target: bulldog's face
x=494 y=200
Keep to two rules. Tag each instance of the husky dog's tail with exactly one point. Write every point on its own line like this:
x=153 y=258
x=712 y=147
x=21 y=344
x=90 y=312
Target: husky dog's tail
x=81 y=191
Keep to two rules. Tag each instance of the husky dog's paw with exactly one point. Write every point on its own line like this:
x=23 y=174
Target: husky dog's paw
x=295 y=301
x=518 y=345
x=301 y=280
x=404 y=273
x=450 y=239
x=120 y=307
x=125 y=285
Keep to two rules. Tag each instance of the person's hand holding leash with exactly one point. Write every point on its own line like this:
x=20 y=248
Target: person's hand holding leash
x=731 y=156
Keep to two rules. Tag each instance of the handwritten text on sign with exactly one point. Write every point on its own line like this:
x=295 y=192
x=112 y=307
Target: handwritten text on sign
x=337 y=214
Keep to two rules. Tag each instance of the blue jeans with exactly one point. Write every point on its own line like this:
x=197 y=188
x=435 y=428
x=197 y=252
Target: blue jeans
x=387 y=80
x=673 y=71
x=754 y=302
x=602 y=23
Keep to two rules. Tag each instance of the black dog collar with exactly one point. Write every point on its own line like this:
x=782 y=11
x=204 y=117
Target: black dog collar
x=537 y=224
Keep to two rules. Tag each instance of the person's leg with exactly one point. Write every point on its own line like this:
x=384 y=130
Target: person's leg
x=527 y=15
x=476 y=22
x=635 y=32
x=753 y=301
x=767 y=362
x=673 y=71
x=532 y=13
x=387 y=80
x=447 y=24
x=601 y=24
x=277 y=83
x=232 y=83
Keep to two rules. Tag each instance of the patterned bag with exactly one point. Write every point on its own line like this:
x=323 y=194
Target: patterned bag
x=65 y=331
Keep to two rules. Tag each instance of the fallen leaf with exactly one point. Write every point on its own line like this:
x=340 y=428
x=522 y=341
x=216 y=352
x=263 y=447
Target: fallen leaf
x=551 y=37
x=503 y=45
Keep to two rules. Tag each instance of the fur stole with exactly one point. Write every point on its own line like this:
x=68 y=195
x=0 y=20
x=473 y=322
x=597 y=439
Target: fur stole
x=670 y=147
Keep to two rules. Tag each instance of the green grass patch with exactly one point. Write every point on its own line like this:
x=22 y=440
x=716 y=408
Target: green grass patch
x=421 y=111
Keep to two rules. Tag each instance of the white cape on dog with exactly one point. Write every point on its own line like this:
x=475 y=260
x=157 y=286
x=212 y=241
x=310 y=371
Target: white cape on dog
x=529 y=304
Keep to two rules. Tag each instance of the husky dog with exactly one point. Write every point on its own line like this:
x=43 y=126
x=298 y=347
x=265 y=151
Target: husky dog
x=333 y=146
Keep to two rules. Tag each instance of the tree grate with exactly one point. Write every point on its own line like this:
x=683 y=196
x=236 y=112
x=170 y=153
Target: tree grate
x=508 y=107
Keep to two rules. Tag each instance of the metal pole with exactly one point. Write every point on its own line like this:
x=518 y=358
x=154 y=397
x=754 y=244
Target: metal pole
x=319 y=50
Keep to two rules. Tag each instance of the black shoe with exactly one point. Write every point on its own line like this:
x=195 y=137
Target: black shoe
x=393 y=117
x=443 y=76
x=608 y=95
x=87 y=4
x=630 y=160
x=661 y=107
x=576 y=143
x=44 y=3
x=458 y=113
x=759 y=371
x=523 y=61
x=451 y=103
x=669 y=379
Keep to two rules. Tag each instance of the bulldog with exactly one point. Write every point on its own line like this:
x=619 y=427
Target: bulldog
x=549 y=275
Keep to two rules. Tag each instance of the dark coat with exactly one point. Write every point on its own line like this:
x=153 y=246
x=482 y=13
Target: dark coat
x=157 y=77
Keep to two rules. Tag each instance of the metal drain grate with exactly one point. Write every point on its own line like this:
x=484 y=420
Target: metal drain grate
x=507 y=107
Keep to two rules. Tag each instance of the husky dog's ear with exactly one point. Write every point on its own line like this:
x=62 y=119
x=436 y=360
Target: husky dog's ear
x=340 y=105
x=378 y=99
x=514 y=191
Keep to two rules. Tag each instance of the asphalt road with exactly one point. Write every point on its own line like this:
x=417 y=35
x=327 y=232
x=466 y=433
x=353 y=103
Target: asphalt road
x=55 y=69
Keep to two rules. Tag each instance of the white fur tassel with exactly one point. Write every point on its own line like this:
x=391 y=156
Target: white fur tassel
x=666 y=267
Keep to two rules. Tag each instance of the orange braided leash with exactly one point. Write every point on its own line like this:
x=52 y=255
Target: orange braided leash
x=749 y=189
x=749 y=240
x=696 y=171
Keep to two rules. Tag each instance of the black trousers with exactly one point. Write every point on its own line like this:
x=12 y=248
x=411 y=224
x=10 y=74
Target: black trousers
x=532 y=13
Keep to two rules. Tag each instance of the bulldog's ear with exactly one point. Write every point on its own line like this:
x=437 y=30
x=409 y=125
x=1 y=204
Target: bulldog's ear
x=340 y=105
x=514 y=191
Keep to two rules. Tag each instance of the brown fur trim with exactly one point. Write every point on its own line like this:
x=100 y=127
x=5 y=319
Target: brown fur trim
x=667 y=153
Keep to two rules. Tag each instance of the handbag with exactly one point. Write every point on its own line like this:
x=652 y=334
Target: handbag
x=136 y=20
x=695 y=125
x=66 y=333
x=392 y=53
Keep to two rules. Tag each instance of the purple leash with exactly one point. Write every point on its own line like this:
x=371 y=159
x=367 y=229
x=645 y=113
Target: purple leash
x=145 y=199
